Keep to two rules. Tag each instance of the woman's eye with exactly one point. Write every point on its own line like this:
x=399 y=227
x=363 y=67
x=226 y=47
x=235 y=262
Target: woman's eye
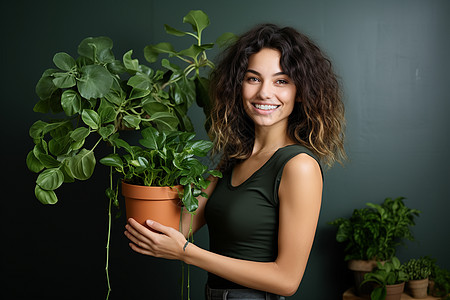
x=252 y=79
x=281 y=81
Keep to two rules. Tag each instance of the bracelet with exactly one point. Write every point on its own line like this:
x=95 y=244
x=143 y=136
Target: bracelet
x=185 y=245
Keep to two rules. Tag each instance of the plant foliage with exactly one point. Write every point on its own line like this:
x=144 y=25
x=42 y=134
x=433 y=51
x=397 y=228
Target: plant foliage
x=440 y=278
x=374 y=232
x=387 y=273
x=165 y=160
x=94 y=96
x=417 y=268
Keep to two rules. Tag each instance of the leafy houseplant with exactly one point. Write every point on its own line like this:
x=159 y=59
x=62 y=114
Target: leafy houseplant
x=387 y=275
x=417 y=268
x=418 y=271
x=372 y=234
x=95 y=96
x=167 y=159
x=439 y=280
x=376 y=231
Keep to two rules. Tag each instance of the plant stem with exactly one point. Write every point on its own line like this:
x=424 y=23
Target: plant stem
x=109 y=231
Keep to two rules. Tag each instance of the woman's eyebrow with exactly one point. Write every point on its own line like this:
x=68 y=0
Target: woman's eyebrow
x=259 y=74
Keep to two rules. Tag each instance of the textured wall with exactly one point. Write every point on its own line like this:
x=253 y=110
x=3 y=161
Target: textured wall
x=391 y=56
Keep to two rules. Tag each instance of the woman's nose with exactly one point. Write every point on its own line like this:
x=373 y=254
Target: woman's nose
x=266 y=92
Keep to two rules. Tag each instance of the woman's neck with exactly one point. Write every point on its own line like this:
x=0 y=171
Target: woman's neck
x=270 y=139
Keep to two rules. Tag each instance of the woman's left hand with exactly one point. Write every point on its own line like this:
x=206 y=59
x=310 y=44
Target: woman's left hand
x=158 y=241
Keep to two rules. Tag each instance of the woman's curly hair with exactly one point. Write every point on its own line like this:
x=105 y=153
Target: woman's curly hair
x=317 y=121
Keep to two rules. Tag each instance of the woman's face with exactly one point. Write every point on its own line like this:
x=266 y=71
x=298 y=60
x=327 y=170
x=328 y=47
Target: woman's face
x=268 y=93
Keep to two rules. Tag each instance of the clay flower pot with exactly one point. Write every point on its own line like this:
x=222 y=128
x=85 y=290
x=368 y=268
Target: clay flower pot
x=359 y=268
x=418 y=288
x=395 y=291
x=160 y=204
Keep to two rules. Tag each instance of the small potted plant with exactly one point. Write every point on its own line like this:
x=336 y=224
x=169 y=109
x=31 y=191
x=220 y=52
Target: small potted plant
x=390 y=279
x=439 y=281
x=371 y=235
x=418 y=271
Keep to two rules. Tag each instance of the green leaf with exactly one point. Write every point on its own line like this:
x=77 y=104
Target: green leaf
x=45 y=87
x=82 y=165
x=189 y=201
x=116 y=67
x=48 y=161
x=152 y=106
x=193 y=51
x=97 y=48
x=215 y=173
x=150 y=138
x=64 y=80
x=95 y=82
x=173 y=31
x=138 y=93
x=45 y=197
x=80 y=134
x=105 y=132
x=106 y=112
x=226 y=39
x=112 y=160
x=50 y=179
x=71 y=102
x=132 y=121
x=43 y=106
x=33 y=163
x=37 y=129
x=90 y=118
x=140 y=81
x=64 y=61
x=164 y=121
x=116 y=95
x=198 y=19
x=151 y=52
x=115 y=141
x=143 y=162
x=184 y=91
x=379 y=293
x=201 y=147
x=130 y=64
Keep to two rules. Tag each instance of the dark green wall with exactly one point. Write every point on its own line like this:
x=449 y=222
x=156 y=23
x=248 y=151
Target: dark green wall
x=392 y=58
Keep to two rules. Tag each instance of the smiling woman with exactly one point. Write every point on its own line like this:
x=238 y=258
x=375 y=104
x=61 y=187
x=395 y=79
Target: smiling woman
x=276 y=114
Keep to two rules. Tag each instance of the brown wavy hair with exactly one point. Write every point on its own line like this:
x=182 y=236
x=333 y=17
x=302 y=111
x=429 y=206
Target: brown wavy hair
x=317 y=121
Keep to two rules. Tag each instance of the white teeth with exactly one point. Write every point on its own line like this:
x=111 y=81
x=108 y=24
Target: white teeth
x=265 y=107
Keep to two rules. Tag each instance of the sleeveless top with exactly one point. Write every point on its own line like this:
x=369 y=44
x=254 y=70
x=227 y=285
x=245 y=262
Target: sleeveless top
x=243 y=220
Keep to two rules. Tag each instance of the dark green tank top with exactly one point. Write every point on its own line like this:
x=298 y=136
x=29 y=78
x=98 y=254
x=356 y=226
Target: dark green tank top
x=243 y=220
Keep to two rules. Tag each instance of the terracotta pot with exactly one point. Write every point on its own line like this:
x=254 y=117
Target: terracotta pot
x=418 y=288
x=394 y=291
x=359 y=268
x=160 y=204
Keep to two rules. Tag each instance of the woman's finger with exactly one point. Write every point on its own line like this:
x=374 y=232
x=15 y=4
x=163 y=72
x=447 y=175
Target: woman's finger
x=159 y=227
x=140 y=242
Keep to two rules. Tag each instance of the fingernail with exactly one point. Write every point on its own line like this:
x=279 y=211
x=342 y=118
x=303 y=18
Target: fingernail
x=150 y=222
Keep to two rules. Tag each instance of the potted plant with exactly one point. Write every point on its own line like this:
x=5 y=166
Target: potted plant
x=90 y=99
x=371 y=235
x=168 y=163
x=418 y=271
x=390 y=279
x=439 y=281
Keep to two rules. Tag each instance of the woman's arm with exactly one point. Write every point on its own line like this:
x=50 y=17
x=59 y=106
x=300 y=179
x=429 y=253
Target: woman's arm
x=300 y=197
